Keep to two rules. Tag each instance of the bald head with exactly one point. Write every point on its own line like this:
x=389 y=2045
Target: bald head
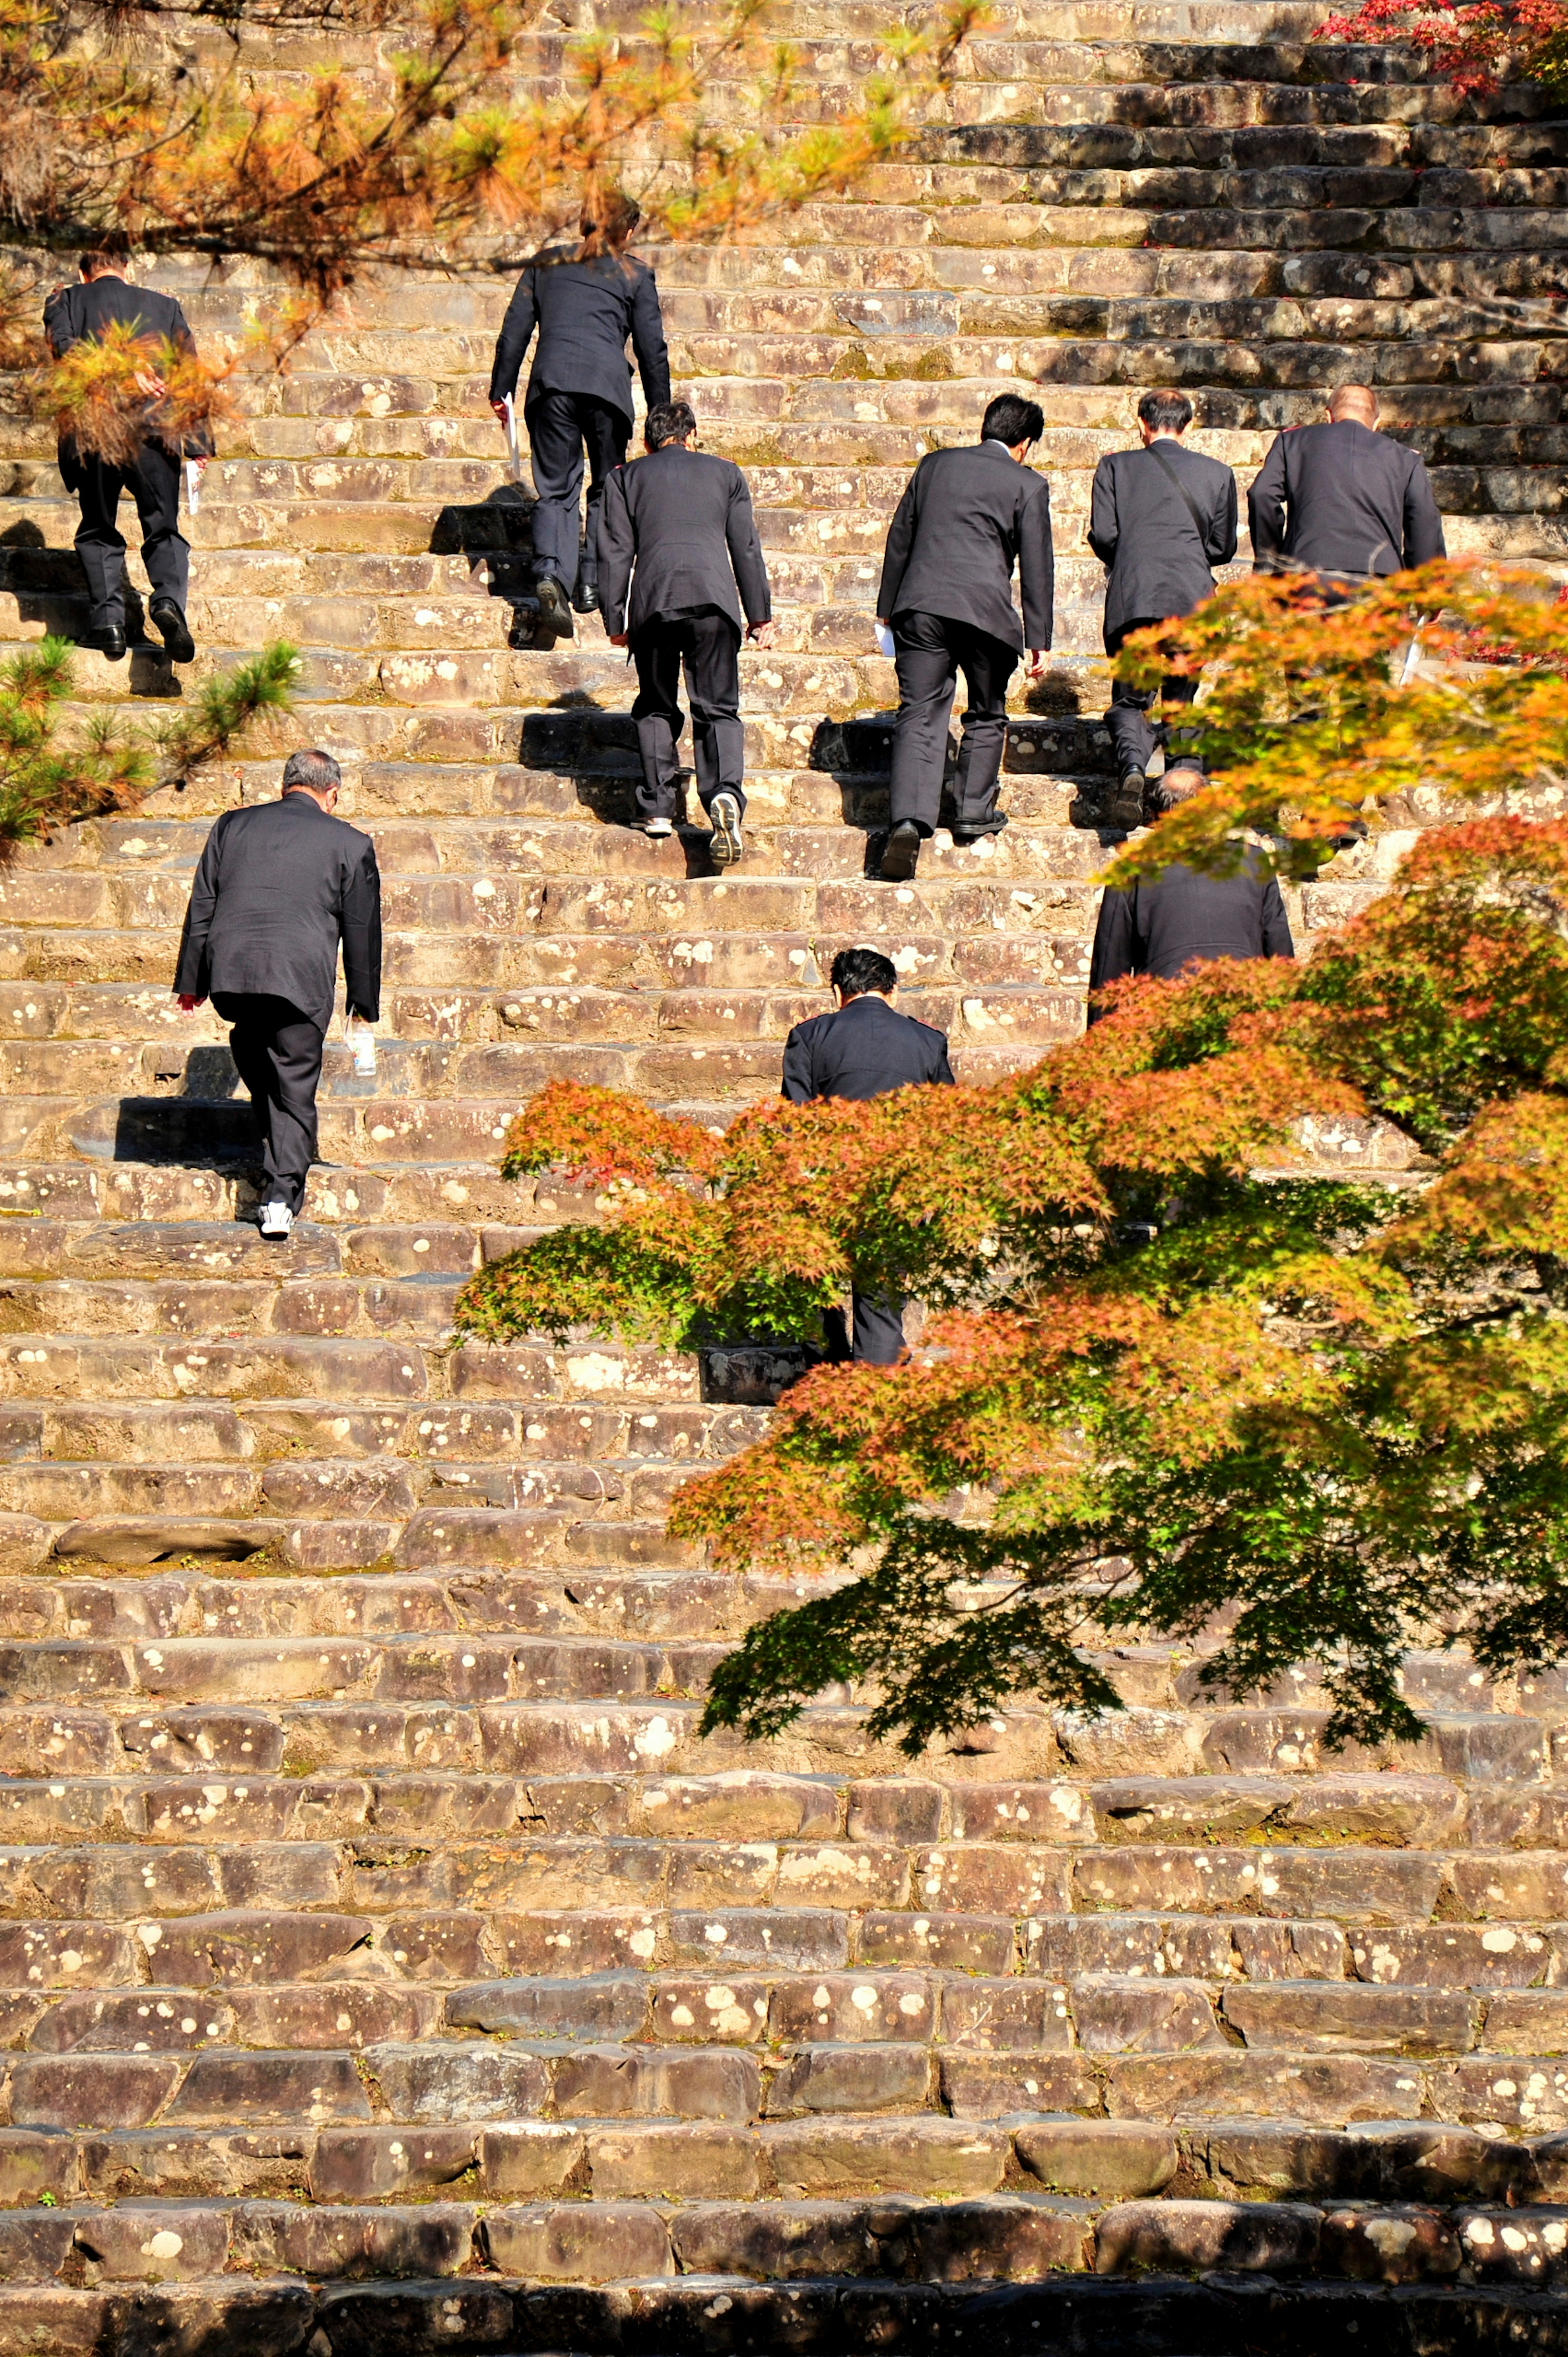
x=1357 y=402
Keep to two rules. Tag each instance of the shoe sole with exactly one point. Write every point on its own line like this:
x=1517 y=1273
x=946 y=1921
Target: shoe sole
x=178 y=645
x=899 y=861
x=726 y=846
x=554 y=611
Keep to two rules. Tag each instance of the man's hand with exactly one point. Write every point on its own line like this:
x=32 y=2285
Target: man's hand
x=1035 y=667
x=619 y=638
x=761 y=634
x=187 y=1005
x=501 y=409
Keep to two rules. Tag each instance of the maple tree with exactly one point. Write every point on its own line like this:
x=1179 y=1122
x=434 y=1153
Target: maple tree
x=1170 y=1370
x=174 y=131
x=1475 y=45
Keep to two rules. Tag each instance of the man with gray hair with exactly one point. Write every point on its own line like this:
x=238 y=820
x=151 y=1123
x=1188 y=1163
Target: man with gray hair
x=279 y=885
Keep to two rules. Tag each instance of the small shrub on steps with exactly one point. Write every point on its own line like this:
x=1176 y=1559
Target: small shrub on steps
x=55 y=769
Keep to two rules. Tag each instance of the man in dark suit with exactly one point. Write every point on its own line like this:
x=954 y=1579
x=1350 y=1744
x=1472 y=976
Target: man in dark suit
x=584 y=302
x=278 y=887
x=946 y=593
x=1343 y=502
x=1160 y=519
x=1181 y=918
x=679 y=539
x=864 y=1050
x=80 y=314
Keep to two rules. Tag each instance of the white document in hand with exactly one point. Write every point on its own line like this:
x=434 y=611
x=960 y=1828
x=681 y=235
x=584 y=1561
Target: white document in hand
x=514 y=450
x=884 y=639
x=193 y=485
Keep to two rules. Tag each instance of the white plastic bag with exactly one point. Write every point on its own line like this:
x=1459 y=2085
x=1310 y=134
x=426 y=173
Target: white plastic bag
x=358 y=1037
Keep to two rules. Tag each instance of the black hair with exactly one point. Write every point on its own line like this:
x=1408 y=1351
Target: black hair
x=856 y=971
x=669 y=421
x=1166 y=413
x=1012 y=419
x=608 y=220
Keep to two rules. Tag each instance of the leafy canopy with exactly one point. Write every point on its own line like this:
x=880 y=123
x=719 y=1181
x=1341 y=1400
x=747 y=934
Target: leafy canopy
x=1176 y=1374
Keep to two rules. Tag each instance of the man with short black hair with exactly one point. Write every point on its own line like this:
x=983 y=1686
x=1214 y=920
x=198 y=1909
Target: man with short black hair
x=864 y=1050
x=278 y=887
x=1160 y=519
x=946 y=595
x=1343 y=502
x=678 y=540
x=101 y=300
x=1181 y=918
x=585 y=301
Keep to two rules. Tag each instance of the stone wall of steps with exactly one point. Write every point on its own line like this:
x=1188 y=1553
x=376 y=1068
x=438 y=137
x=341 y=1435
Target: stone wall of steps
x=385 y=1961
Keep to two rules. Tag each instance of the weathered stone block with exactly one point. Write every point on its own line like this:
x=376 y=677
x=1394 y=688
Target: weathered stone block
x=930 y=2156
x=1119 y=2158
x=591 y=2242
x=1271 y=2237
x=373 y=2164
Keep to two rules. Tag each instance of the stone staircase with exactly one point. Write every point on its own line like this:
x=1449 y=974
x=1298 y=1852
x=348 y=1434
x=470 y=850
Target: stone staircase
x=385 y=1963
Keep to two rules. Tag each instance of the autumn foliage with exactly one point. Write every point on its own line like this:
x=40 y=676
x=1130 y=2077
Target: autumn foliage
x=1473 y=45
x=1175 y=1372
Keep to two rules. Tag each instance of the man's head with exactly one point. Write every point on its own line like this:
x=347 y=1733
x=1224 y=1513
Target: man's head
x=1177 y=786
x=860 y=972
x=1164 y=413
x=110 y=258
x=314 y=773
x=669 y=421
x=608 y=220
x=1357 y=402
x=1012 y=420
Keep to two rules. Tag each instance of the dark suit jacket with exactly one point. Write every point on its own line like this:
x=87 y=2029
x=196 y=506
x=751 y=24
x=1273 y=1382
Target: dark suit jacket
x=684 y=519
x=1158 y=560
x=78 y=314
x=965 y=519
x=1184 y=919
x=1342 y=498
x=277 y=887
x=861 y=1051
x=584 y=311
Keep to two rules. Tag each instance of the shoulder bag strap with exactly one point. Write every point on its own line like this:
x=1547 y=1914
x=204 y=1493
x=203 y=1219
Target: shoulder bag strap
x=1173 y=477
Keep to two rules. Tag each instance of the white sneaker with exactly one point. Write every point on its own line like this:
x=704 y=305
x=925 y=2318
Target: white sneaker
x=276 y=1221
x=657 y=829
x=725 y=846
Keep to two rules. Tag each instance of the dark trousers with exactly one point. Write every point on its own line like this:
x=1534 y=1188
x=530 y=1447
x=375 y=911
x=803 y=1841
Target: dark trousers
x=709 y=647
x=932 y=650
x=559 y=424
x=154 y=482
x=878 y=1331
x=1134 y=735
x=277 y=1051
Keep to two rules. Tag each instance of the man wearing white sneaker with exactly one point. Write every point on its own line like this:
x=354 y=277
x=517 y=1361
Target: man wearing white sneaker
x=279 y=885
x=677 y=540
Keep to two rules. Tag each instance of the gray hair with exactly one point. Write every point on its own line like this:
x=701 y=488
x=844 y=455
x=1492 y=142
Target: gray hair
x=314 y=770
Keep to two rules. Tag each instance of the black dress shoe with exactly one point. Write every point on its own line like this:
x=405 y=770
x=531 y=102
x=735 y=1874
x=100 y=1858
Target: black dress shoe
x=173 y=628
x=901 y=853
x=1132 y=781
x=586 y=595
x=554 y=613
x=963 y=835
x=110 y=642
